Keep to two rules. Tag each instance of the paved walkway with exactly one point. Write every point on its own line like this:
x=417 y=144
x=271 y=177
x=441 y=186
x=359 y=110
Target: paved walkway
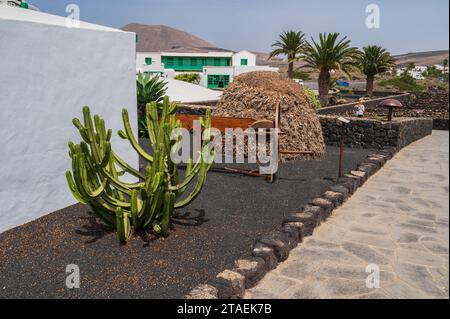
x=397 y=221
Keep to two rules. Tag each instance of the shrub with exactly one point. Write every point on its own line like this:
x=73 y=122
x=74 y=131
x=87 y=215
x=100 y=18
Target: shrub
x=150 y=202
x=189 y=77
x=149 y=89
x=404 y=83
x=313 y=98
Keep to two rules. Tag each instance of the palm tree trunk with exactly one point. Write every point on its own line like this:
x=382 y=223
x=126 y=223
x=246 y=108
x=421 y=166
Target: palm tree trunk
x=291 y=70
x=369 y=84
x=324 y=87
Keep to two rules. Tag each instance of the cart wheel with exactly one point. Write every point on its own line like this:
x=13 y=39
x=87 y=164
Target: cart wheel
x=271 y=178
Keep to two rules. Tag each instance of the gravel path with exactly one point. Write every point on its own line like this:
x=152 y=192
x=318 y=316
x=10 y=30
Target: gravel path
x=218 y=228
x=396 y=223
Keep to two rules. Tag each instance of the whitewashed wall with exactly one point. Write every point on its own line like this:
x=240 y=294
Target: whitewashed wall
x=215 y=70
x=47 y=74
x=156 y=65
x=244 y=55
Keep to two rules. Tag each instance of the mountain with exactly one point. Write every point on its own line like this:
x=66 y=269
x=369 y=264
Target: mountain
x=154 y=38
x=422 y=58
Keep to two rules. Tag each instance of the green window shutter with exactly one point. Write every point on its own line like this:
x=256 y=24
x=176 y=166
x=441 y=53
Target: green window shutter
x=244 y=61
x=168 y=62
x=148 y=61
x=218 y=81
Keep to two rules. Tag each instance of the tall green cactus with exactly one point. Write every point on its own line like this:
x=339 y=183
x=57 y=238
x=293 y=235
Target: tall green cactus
x=151 y=201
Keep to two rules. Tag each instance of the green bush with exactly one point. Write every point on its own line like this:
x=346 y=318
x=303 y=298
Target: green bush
x=313 y=98
x=149 y=89
x=188 y=77
x=405 y=83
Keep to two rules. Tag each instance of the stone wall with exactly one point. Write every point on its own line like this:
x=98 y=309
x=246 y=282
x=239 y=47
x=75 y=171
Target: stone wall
x=435 y=99
x=441 y=124
x=372 y=104
x=190 y=109
x=375 y=134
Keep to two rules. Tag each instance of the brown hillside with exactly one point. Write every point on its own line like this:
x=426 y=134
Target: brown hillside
x=154 y=38
x=422 y=58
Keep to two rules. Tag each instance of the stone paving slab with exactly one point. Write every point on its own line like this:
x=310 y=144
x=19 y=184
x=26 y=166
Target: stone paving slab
x=397 y=222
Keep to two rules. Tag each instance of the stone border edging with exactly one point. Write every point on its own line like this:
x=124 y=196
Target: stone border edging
x=274 y=248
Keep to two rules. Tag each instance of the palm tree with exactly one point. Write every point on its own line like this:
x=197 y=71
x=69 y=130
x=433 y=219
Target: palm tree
x=374 y=60
x=327 y=55
x=291 y=44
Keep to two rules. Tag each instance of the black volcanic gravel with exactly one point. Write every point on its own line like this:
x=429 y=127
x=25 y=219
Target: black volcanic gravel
x=216 y=229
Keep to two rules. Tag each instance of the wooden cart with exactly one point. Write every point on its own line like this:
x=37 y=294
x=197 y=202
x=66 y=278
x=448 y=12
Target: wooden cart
x=222 y=123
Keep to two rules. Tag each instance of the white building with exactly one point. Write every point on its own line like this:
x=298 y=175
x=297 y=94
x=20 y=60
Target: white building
x=48 y=72
x=441 y=68
x=216 y=69
x=416 y=72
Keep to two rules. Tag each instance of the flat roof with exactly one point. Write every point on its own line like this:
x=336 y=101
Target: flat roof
x=20 y=14
x=209 y=54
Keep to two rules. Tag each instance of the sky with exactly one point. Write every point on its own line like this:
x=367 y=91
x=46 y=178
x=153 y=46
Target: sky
x=405 y=25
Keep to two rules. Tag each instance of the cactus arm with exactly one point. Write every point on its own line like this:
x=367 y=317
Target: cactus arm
x=169 y=201
x=114 y=201
x=122 y=164
x=135 y=209
x=81 y=129
x=123 y=225
x=197 y=189
x=77 y=169
x=156 y=193
x=104 y=214
x=97 y=192
x=150 y=122
x=121 y=186
x=107 y=155
x=154 y=207
x=128 y=134
x=91 y=134
x=74 y=189
x=204 y=168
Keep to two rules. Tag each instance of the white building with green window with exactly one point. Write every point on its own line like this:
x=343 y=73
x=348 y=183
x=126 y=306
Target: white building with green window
x=216 y=69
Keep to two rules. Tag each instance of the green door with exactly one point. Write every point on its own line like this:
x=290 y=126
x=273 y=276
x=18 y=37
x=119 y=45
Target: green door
x=219 y=81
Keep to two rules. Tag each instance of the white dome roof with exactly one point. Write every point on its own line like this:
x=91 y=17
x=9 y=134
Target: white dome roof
x=184 y=92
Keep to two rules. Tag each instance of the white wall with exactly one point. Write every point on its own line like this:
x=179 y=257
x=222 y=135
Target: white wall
x=244 y=55
x=47 y=74
x=156 y=65
x=215 y=70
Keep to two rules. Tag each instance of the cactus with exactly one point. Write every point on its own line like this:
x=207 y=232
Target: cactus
x=150 y=201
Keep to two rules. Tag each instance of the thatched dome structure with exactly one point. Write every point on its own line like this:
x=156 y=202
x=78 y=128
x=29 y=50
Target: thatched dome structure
x=256 y=94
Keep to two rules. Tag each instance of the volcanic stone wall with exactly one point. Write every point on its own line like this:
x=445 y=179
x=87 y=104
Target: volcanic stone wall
x=374 y=134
